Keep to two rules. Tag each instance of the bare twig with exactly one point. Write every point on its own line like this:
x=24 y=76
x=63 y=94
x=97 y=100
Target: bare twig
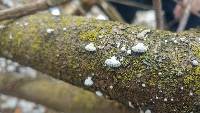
x=111 y=12
x=159 y=14
x=132 y=4
x=185 y=17
x=28 y=9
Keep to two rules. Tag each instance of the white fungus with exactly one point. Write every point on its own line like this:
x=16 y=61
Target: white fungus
x=143 y=85
x=88 y=81
x=26 y=23
x=195 y=63
x=64 y=29
x=139 y=48
x=156 y=97
x=111 y=87
x=55 y=11
x=49 y=30
x=172 y=99
x=165 y=99
x=128 y=52
x=191 y=93
x=130 y=104
x=182 y=88
x=123 y=49
x=90 y=47
x=147 y=111
x=98 y=93
x=112 y=62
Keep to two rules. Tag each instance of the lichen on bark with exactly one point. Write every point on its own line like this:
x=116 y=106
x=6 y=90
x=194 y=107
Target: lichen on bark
x=161 y=79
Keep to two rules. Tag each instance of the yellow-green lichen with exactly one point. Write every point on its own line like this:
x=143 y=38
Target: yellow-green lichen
x=89 y=35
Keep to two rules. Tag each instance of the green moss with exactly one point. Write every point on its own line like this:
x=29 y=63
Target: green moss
x=196 y=50
x=89 y=35
x=193 y=81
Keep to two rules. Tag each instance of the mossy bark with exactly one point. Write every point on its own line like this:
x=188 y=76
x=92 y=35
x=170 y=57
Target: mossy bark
x=163 y=79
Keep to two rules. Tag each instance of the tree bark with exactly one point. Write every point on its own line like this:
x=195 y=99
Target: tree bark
x=163 y=75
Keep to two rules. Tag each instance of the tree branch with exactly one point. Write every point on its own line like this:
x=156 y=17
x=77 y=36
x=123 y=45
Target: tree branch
x=28 y=9
x=147 y=69
x=157 y=5
x=63 y=97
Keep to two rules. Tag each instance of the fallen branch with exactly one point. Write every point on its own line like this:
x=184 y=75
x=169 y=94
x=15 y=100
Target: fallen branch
x=142 y=68
x=63 y=97
x=28 y=9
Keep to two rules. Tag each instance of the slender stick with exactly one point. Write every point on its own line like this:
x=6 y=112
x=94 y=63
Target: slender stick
x=112 y=13
x=28 y=9
x=185 y=17
x=132 y=4
x=159 y=14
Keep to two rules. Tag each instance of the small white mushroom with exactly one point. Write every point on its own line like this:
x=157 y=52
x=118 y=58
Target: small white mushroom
x=195 y=63
x=88 y=81
x=112 y=62
x=111 y=87
x=165 y=99
x=123 y=49
x=130 y=104
x=147 y=111
x=98 y=93
x=64 y=29
x=128 y=52
x=49 y=30
x=143 y=85
x=191 y=93
x=139 y=48
x=90 y=47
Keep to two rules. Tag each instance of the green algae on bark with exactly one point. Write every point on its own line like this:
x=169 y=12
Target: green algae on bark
x=162 y=79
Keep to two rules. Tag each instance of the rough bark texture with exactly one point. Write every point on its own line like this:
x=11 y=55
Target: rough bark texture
x=56 y=94
x=164 y=79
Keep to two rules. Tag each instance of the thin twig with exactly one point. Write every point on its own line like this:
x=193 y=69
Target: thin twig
x=28 y=9
x=110 y=11
x=159 y=14
x=185 y=17
x=132 y=4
